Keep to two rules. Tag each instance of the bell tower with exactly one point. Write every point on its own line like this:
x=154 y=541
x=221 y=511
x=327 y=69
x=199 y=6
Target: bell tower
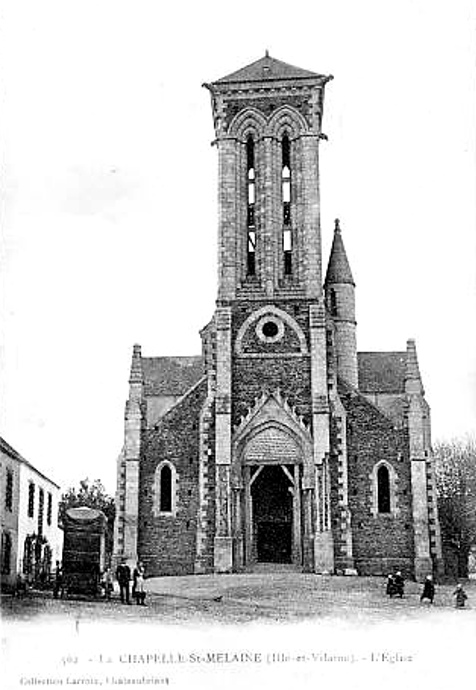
x=269 y=339
x=268 y=119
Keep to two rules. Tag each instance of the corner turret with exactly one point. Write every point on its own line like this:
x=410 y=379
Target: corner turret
x=340 y=301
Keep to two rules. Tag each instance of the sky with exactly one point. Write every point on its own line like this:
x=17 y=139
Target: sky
x=109 y=195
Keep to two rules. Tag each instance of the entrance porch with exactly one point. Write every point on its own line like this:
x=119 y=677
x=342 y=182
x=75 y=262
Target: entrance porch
x=271 y=522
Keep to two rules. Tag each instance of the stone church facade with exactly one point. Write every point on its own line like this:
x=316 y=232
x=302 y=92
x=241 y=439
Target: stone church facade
x=280 y=443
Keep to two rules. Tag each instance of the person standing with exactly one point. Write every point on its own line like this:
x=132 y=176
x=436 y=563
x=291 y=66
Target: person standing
x=134 y=582
x=428 y=589
x=139 y=585
x=123 y=576
x=460 y=596
x=108 y=584
x=58 y=584
x=399 y=584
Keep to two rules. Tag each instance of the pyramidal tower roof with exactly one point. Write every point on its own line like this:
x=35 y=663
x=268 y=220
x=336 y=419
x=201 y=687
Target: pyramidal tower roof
x=338 y=269
x=268 y=68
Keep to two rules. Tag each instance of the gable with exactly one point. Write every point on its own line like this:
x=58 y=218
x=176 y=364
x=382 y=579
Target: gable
x=356 y=402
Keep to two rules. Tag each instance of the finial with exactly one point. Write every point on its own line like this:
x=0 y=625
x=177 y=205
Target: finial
x=412 y=368
x=136 y=365
x=337 y=225
x=266 y=53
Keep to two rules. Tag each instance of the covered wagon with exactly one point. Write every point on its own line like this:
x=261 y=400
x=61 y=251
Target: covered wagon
x=84 y=548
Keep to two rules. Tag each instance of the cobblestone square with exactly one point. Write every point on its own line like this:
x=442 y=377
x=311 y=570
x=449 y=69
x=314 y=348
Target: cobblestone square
x=250 y=630
x=249 y=598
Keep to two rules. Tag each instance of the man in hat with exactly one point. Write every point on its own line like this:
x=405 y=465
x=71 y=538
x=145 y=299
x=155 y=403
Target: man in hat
x=123 y=576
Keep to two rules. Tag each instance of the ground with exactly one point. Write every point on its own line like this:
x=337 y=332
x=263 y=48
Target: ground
x=243 y=631
x=230 y=599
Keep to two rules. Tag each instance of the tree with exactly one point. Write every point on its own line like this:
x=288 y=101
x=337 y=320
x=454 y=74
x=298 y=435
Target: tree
x=456 y=484
x=91 y=495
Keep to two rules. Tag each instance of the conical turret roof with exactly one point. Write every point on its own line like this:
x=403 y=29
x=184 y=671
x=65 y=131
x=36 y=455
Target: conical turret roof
x=338 y=269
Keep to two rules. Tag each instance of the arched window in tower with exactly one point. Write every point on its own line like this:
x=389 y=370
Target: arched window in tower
x=250 y=212
x=286 y=200
x=383 y=490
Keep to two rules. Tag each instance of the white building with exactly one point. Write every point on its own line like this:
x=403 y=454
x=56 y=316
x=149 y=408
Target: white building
x=31 y=540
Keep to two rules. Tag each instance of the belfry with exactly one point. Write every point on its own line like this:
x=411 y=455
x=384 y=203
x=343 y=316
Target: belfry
x=280 y=444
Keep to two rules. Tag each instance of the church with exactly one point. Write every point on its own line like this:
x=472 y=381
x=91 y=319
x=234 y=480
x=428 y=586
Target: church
x=281 y=445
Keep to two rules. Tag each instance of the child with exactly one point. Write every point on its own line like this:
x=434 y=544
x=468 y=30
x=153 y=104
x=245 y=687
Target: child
x=460 y=596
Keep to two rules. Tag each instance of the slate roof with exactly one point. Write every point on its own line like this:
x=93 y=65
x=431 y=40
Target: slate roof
x=382 y=372
x=195 y=396
x=338 y=269
x=379 y=372
x=268 y=69
x=171 y=375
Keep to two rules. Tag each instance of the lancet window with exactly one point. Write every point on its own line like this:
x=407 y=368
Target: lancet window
x=165 y=489
x=383 y=489
x=286 y=203
x=250 y=215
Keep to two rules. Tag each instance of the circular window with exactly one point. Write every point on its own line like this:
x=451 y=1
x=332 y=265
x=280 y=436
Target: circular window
x=270 y=329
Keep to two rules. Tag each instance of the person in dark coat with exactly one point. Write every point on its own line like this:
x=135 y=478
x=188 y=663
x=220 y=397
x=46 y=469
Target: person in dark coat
x=58 y=584
x=390 y=586
x=399 y=584
x=123 y=576
x=428 y=589
x=460 y=597
x=134 y=582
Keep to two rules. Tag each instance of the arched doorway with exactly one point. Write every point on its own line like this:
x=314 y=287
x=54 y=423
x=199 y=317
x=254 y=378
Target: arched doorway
x=271 y=455
x=272 y=500
x=272 y=514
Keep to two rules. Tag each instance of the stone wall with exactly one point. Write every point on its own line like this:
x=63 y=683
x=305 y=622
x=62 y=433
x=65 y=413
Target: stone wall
x=382 y=542
x=251 y=375
x=297 y=309
x=167 y=542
